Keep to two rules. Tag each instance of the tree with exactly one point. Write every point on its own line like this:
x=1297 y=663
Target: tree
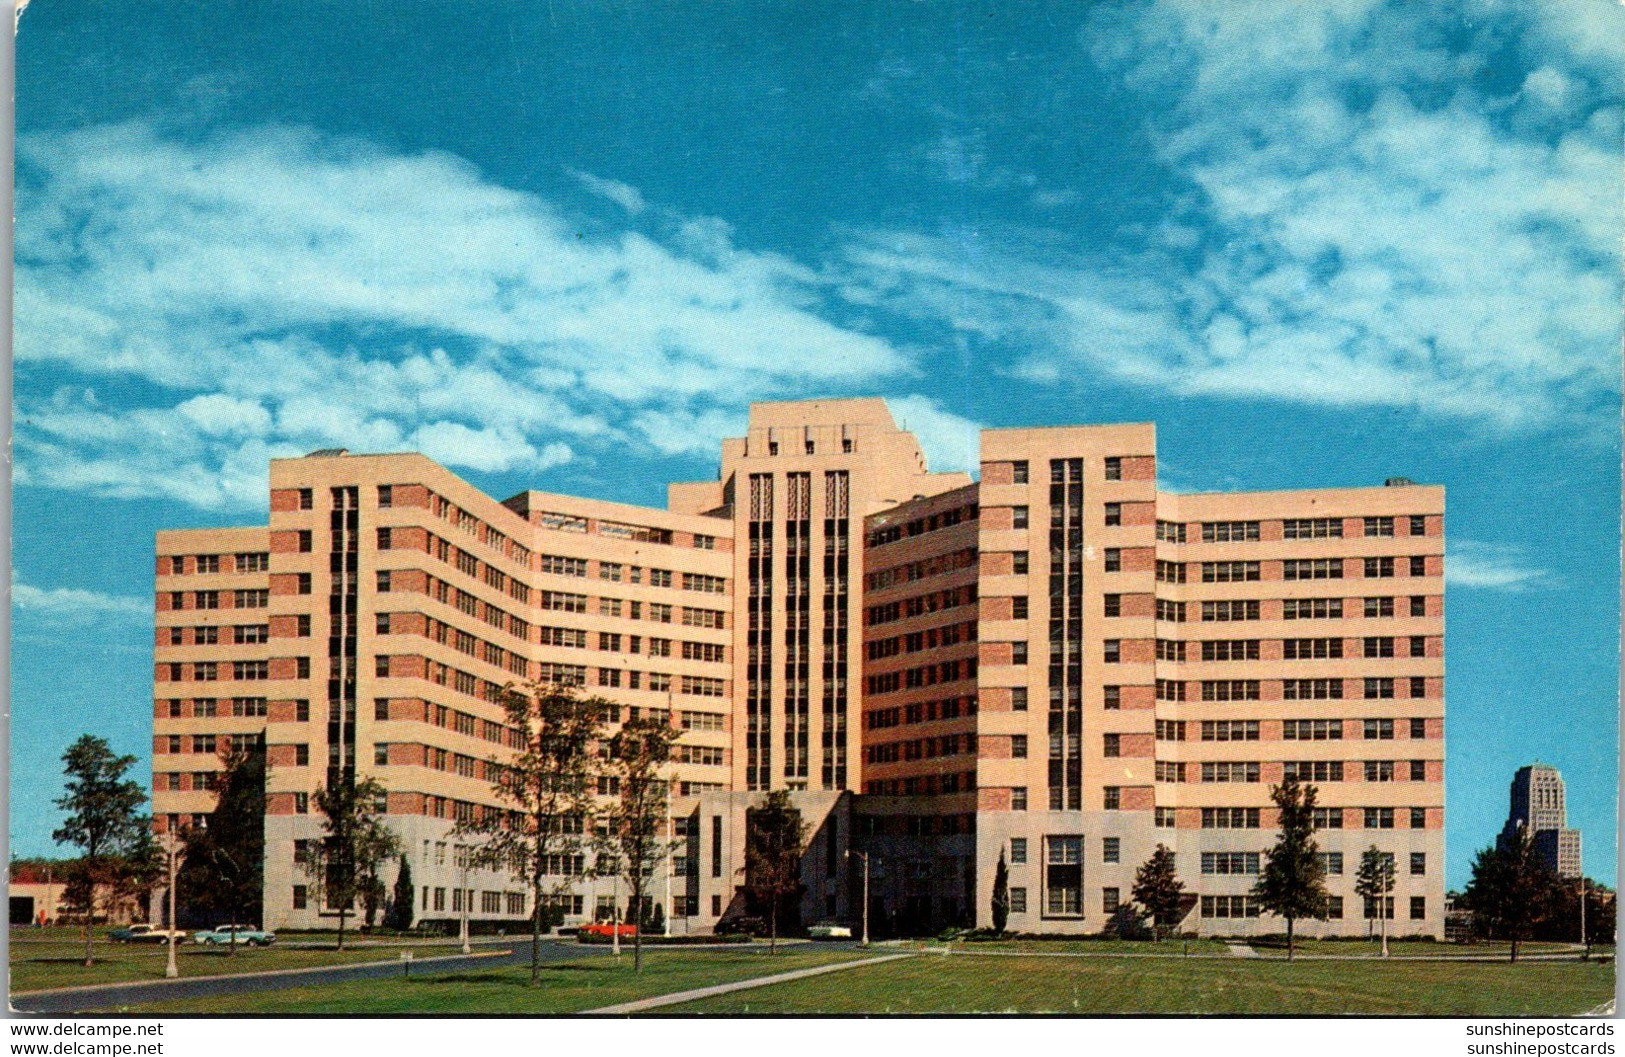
x=103 y=820
x=1159 y=890
x=357 y=842
x=1510 y=891
x=399 y=916
x=1374 y=881
x=631 y=831
x=1001 y=894
x=1293 y=882
x=223 y=872
x=774 y=839
x=548 y=786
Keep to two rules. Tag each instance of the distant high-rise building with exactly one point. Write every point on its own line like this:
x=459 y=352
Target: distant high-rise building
x=1538 y=806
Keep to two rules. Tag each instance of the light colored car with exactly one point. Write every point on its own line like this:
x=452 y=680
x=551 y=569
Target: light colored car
x=830 y=932
x=144 y=934
x=222 y=935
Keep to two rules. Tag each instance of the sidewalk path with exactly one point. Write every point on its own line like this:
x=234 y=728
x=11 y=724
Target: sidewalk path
x=742 y=985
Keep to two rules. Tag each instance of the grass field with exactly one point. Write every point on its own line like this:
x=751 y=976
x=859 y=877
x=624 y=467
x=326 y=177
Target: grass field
x=40 y=961
x=965 y=983
x=1090 y=946
x=1420 y=949
x=567 y=987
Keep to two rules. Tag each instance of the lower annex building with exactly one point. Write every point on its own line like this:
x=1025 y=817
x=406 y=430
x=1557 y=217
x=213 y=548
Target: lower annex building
x=1057 y=663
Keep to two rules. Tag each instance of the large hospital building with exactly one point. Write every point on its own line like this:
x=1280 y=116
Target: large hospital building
x=1056 y=663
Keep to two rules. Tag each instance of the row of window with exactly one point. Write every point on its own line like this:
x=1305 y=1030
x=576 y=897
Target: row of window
x=1378 y=688
x=204 y=564
x=1235 y=572
x=1303 y=771
x=921 y=525
x=1291 y=729
x=920 y=605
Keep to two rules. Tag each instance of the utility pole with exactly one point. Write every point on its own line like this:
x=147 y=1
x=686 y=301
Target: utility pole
x=864 y=856
x=615 y=916
x=171 y=970
x=671 y=864
x=467 y=895
x=1585 y=937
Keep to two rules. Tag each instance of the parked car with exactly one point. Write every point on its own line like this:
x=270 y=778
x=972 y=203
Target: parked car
x=829 y=932
x=144 y=934
x=221 y=935
x=607 y=930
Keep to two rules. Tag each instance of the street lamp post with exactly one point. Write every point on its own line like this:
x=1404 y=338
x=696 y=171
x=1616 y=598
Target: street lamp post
x=467 y=895
x=864 y=856
x=1585 y=937
x=615 y=916
x=171 y=970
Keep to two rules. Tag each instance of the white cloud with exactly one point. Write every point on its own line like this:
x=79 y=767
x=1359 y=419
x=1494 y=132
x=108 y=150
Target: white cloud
x=951 y=443
x=626 y=196
x=1355 y=219
x=278 y=291
x=1491 y=566
x=72 y=605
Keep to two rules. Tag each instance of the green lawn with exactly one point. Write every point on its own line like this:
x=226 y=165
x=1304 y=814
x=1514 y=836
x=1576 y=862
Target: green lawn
x=50 y=961
x=1418 y=949
x=1090 y=946
x=964 y=983
x=569 y=987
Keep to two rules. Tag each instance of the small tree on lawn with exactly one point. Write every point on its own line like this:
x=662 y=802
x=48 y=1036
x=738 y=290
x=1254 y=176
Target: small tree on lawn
x=548 y=787
x=1158 y=889
x=223 y=873
x=633 y=829
x=1510 y=889
x=401 y=907
x=1293 y=883
x=1001 y=894
x=357 y=842
x=104 y=820
x=775 y=837
x=1375 y=882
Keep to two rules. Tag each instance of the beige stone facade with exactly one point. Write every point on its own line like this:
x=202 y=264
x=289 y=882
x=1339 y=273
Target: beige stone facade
x=1058 y=663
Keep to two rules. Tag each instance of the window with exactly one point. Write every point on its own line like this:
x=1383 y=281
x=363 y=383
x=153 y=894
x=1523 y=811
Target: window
x=1378 y=729
x=1018 y=798
x=1114 y=650
x=1327 y=818
x=1379 y=818
x=1018 y=851
x=1419 y=908
x=1229 y=531
x=1379 y=607
x=1111 y=701
x=1167 y=572
x=1419 y=727
x=1379 y=526
x=1419 y=863
x=1020 y=563
x=1019 y=608
x=1419 y=818
x=1230 y=650
x=1379 y=647
x=1114 y=468
x=1169 y=771
x=1312 y=609
x=1419 y=565
x=1230 y=730
x=1313 y=770
x=1229 y=572
x=1018 y=517
x=380 y=754
x=1171 y=532
x=1419 y=771
x=1063 y=876
x=1113 y=797
x=1379 y=770
x=253 y=562
x=1170 y=730
x=1113 y=560
x=1230 y=771
x=1111 y=849
x=1230 y=863
x=301 y=897
x=1230 y=818
x=1331 y=863
x=1312 y=689
x=1312 y=569
x=1312 y=528
x=1018 y=653
x=205 y=671
x=304 y=541
x=1376 y=689
x=1165 y=818
x=1229 y=907
x=1113 y=745
x=1311 y=649
x=1018 y=472
x=1018 y=746
x=1419 y=606
x=301 y=711
x=1108 y=901
x=307 y=499
x=208 y=599
x=1238 y=609
x=1018 y=699
x=1379 y=568
x=1114 y=605
x=1114 y=514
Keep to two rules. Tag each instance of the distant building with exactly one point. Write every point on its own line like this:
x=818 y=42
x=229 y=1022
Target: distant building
x=1538 y=806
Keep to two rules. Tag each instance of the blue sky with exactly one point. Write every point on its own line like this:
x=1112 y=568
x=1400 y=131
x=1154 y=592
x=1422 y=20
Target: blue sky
x=563 y=247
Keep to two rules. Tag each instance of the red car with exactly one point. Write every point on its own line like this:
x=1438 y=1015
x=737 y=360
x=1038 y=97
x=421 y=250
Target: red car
x=607 y=930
